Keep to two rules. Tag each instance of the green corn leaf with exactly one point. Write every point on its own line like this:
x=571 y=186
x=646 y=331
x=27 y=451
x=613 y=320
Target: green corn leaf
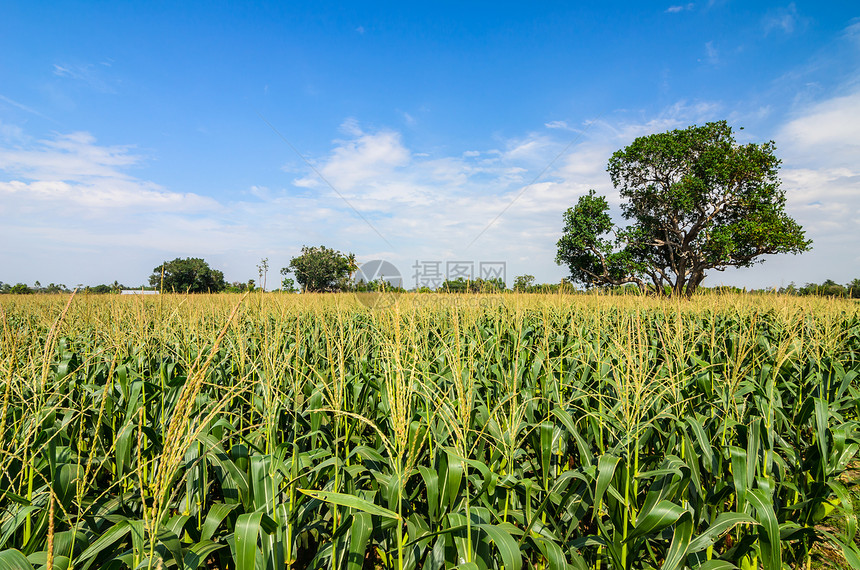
x=753 y=445
x=431 y=485
x=724 y=523
x=704 y=444
x=107 y=539
x=60 y=563
x=680 y=543
x=137 y=536
x=171 y=542
x=234 y=480
x=359 y=537
x=217 y=513
x=551 y=551
x=605 y=470
x=739 y=472
x=196 y=556
x=12 y=559
x=844 y=497
x=506 y=544
x=13 y=523
x=351 y=501
x=663 y=515
x=715 y=565
x=546 y=430
x=248 y=527
x=770 y=545
x=448 y=530
x=822 y=414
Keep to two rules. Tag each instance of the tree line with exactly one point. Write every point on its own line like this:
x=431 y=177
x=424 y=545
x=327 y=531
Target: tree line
x=521 y=284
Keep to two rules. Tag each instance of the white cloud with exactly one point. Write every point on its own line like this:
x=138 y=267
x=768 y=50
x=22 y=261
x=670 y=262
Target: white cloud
x=821 y=178
x=784 y=19
x=362 y=160
x=679 y=8
x=21 y=106
x=556 y=125
x=72 y=170
x=91 y=75
x=827 y=129
x=11 y=134
x=712 y=53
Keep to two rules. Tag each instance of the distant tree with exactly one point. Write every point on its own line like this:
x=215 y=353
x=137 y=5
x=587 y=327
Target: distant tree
x=288 y=285
x=263 y=269
x=461 y=285
x=523 y=283
x=100 y=289
x=458 y=285
x=853 y=288
x=697 y=201
x=829 y=288
x=493 y=285
x=20 y=289
x=191 y=275
x=320 y=269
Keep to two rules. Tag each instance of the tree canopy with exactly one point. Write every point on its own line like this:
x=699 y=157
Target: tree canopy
x=695 y=200
x=320 y=269
x=192 y=275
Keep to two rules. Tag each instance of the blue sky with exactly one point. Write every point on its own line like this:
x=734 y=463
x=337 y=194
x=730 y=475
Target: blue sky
x=132 y=133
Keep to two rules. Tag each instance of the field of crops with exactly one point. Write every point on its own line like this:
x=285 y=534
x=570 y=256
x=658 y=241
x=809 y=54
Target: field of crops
x=518 y=431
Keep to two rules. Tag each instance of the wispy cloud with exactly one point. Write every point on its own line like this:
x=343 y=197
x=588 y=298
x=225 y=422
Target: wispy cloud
x=711 y=53
x=680 y=8
x=557 y=125
x=22 y=107
x=72 y=172
x=91 y=75
x=785 y=19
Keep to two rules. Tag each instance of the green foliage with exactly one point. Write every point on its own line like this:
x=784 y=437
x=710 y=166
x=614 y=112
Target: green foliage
x=99 y=289
x=696 y=201
x=189 y=275
x=589 y=256
x=478 y=285
x=522 y=283
x=20 y=289
x=320 y=269
x=237 y=287
x=537 y=432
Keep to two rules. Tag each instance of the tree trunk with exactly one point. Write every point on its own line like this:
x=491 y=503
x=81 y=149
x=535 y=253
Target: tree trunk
x=694 y=282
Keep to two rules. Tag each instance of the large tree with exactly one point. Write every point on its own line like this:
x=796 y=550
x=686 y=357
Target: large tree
x=320 y=269
x=696 y=200
x=191 y=275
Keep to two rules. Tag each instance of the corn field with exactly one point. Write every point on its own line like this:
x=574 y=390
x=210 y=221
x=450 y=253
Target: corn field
x=480 y=432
